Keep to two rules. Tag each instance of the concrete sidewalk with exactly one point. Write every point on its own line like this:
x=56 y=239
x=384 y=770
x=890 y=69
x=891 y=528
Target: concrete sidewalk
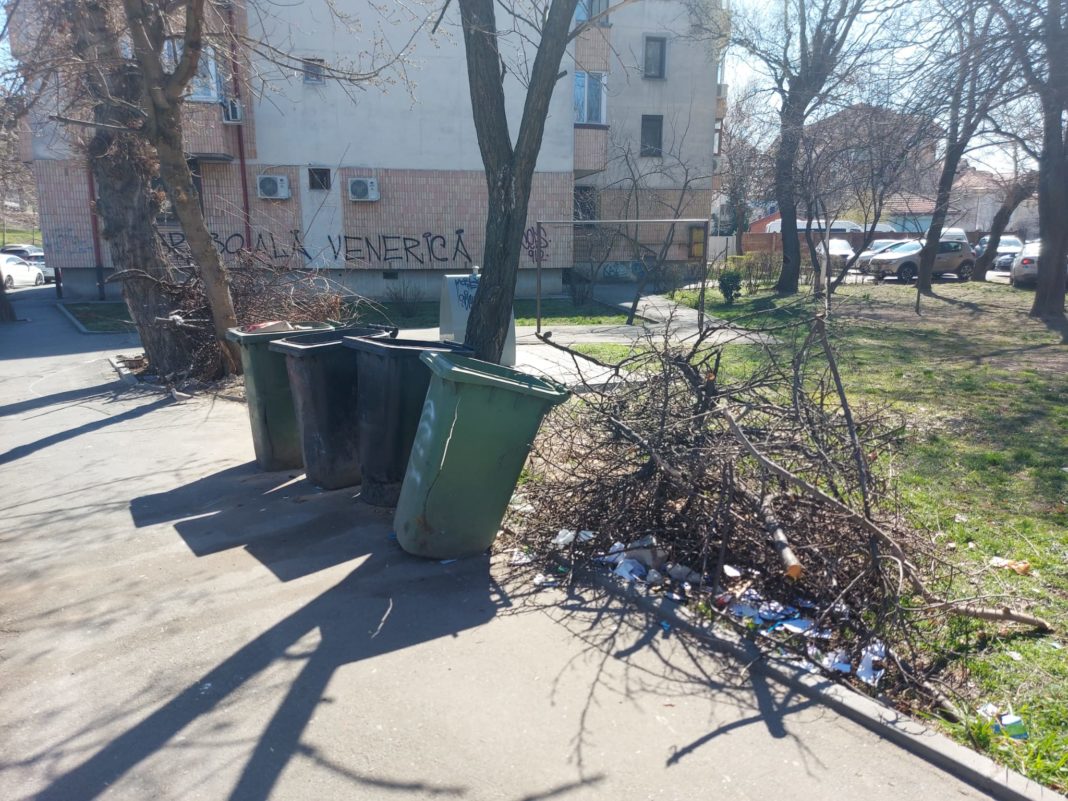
x=175 y=624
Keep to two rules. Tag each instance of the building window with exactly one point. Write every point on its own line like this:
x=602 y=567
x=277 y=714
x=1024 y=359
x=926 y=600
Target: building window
x=655 y=56
x=590 y=97
x=314 y=70
x=717 y=138
x=319 y=178
x=652 y=135
x=585 y=203
x=587 y=9
x=204 y=87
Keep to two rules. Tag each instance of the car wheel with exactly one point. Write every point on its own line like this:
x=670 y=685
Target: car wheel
x=906 y=273
x=38 y=280
x=9 y=282
x=964 y=272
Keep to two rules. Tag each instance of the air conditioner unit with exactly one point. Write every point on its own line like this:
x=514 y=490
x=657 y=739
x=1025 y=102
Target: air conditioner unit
x=232 y=113
x=272 y=187
x=363 y=189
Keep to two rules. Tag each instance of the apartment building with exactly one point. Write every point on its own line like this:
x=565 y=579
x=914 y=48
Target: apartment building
x=382 y=187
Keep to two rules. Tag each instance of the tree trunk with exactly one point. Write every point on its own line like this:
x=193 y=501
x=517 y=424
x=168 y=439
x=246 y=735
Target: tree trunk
x=785 y=196
x=925 y=283
x=509 y=172
x=7 y=312
x=178 y=180
x=1052 y=212
x=1021 y=189
x=123 y=166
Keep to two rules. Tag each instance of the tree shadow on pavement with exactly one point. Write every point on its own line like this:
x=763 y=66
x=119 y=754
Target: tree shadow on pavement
x=293 y=528
x=391 y=601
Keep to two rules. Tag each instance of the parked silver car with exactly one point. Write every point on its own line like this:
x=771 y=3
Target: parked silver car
x=876 y=246
x=19 y=272
x=903 y=260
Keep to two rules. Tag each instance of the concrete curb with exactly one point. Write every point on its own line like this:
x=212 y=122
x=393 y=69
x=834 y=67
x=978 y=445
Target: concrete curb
x=124 y=372
x=74 y=320
x=975 y=769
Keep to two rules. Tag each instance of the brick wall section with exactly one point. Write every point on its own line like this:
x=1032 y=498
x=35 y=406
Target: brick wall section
x=416 y=203
x=203 y=130
x=650 y=204
x=593 y=49
x=591 y=149
x=63 y=200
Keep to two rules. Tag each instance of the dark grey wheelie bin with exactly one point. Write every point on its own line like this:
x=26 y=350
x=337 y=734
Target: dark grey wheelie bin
x=323 y=377
x=270 y=402
x=393 y=384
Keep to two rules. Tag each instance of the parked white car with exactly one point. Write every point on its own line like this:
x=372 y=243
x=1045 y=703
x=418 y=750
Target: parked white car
x=840 y=252
x=18 y=272
x=1025 y=267
x=34 y=255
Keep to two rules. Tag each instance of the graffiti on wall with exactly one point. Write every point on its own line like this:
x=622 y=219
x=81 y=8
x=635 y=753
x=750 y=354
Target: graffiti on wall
x=535 y=243
x=393 y=249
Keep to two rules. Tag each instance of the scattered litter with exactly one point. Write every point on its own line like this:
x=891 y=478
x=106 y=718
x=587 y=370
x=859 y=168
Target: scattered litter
x=971 y=545
x=871 y=667
x=666 y=627
x=745 y=610
x=838 y=662
x=674 y=596
x=773 y=610
x=731 y=572
x=521 y=558
x=723 y=599
x=1013 y=726
x=180 y=396
x=654 y=578
x=682 y=573
x=648 y=541
x=564 y=538
x=1015 y=656
x=796 y=626
x=615 y=553
x=541 y=580
x=1056 y=646
x=804 y=603
x=446 y=561
x=1021 y=566
x=585 y=536
x=630 y=569
x=951 y=546
x=959 y=518
x=988 y=711
x=562 y=569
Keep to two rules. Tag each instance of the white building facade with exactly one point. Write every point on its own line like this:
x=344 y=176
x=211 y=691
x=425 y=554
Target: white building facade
x=382 y=186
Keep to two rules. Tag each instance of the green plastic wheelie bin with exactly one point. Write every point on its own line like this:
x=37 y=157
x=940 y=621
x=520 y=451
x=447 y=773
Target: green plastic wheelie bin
x=479 y=420
x=324 y=379
x=270 y=403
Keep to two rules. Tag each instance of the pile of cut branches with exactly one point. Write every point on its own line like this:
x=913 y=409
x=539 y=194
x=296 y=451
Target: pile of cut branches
x=730 y=471
x=261 y=292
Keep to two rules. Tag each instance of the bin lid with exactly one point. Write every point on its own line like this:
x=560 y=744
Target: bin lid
x=465 y=370
x=309 y=344
x=404 y=348
x=277 y=330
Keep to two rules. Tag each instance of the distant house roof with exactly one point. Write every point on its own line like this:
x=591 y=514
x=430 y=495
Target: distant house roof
x=761 y=226
x=908 y=203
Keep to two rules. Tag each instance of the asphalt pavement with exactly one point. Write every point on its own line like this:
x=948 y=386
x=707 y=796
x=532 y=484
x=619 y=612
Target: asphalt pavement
x=175 y=624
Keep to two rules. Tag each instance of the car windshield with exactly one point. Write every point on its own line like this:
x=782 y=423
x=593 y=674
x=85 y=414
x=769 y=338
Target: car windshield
x=1010 y=242
x=908 y=246
x=882 y=244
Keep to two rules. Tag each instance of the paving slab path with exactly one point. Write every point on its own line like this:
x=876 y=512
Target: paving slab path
x=175 y=624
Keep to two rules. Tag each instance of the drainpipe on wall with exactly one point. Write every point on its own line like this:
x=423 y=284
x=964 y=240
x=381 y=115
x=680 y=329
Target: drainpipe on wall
x=239 y=130
x=97 y=253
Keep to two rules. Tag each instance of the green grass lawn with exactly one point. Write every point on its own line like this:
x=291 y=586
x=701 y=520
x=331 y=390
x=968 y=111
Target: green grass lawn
x=555 y=312
x=985 y=390
x=107 y=317
x=17 y=236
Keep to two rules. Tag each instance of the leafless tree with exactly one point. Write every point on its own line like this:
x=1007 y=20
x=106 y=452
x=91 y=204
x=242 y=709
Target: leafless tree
x=745 y=166
x=509 y=167
x=1037 y=32
x=808 y=51
x=1015 y=191
x=975 y=66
